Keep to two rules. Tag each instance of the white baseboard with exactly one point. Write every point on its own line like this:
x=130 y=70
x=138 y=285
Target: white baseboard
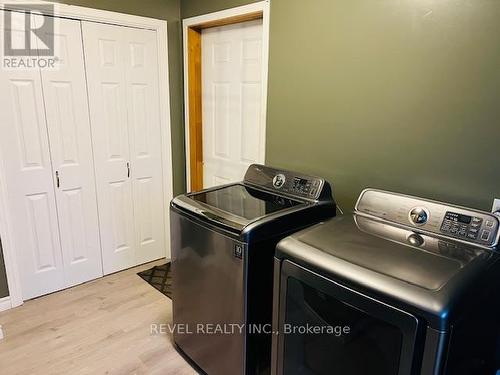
x=5 y=304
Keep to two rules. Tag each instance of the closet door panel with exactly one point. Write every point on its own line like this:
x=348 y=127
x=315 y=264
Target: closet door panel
x=105 y=64
x=65 y=94
x=27 y=169
x=144 y=123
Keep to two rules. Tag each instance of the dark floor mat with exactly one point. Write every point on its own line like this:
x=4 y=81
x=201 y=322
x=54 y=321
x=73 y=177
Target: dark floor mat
x=160 y=278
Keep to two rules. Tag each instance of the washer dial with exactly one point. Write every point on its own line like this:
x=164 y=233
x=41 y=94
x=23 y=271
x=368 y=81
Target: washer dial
x=419 y=216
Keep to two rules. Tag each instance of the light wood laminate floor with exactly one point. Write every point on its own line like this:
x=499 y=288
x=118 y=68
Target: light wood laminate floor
x=101 y=327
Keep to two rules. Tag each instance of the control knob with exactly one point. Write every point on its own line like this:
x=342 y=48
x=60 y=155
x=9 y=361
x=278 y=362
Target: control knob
x=415 y=239
x=419 y=216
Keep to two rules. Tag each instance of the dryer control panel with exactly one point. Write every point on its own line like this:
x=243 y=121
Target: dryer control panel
x=286 y=182
x=429 y=216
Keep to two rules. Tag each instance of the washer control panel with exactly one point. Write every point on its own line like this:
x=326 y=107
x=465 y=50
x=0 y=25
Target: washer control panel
x=471 y=227
x=302 y=186
x=461 y=223
x=305 y=187
x=285 y=181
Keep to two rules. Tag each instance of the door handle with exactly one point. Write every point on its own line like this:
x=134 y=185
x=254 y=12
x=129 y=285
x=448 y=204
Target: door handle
x=58 y=182
x=128 y=169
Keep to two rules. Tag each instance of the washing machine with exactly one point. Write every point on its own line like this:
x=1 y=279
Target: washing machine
x=404 y=285
x=223 y=243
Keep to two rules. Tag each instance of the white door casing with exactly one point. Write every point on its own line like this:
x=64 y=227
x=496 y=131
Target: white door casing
x=28 y=172
x=66 y=108
x=232 y=58
x=122 y=79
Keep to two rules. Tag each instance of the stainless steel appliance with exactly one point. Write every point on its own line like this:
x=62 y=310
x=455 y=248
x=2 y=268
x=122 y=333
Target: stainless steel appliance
x=223 y=242
x=406 y=285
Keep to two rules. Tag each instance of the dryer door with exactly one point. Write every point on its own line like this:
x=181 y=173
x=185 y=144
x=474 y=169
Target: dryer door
x=326 y=328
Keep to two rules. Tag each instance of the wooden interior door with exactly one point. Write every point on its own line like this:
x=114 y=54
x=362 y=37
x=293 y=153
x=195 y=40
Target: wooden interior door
x=66 y=108
x=122 y=72
x=231 y=99
x=25 y=156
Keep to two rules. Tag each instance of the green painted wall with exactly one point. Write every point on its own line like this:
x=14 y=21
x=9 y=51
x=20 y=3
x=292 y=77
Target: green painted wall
x=399 y=95
x=4 y=289
x=167 y=10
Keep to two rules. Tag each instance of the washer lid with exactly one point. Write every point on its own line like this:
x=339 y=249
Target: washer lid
x=244 y=201
x=235 y=206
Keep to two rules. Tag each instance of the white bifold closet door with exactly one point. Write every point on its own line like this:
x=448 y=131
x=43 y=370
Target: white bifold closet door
x=68 y=123
x=44 y=128
x=122 y=78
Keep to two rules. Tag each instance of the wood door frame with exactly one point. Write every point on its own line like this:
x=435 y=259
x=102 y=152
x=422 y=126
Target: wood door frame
x=119 y=19
x=191 y=30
